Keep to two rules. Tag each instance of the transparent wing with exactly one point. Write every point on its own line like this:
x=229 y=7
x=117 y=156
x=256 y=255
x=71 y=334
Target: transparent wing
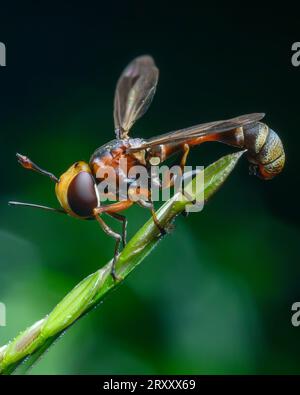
x=200 y=130
x=134 y=93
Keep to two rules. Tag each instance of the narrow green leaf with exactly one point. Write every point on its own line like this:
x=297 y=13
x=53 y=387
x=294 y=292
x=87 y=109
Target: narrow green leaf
x=72 y=305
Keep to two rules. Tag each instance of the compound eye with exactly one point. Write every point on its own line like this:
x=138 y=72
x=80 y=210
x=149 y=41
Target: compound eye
x=82 y=197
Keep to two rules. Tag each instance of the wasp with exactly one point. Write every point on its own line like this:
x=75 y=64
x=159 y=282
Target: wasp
x=76 y=189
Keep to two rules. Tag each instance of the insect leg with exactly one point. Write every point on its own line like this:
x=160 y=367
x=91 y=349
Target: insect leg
x=186 y=150
x=118 y=239
x=124 y=221
x=149 y=205
x=28 y=164
x=142 y=197
x=115 y=207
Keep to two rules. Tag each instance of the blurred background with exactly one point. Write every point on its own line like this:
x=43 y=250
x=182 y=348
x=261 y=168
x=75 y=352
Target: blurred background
x=216 y=295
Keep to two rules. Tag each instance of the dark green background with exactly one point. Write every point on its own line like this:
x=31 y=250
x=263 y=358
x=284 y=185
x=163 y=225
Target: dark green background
x=215 y=296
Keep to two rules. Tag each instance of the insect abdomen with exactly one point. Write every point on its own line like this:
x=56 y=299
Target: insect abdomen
x=265 y=150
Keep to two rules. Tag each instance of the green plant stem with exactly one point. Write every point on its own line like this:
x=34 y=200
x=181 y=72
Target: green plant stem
x=35 y=340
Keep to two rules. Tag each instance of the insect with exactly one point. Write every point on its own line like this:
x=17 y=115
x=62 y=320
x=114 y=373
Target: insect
x=76 y=189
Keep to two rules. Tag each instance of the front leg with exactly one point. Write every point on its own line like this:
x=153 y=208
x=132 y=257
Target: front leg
x=113 y=209
x=124 y=221
x=118 y=239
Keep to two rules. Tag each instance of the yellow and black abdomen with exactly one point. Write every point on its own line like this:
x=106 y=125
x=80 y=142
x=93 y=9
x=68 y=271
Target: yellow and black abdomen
x=265 y=150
